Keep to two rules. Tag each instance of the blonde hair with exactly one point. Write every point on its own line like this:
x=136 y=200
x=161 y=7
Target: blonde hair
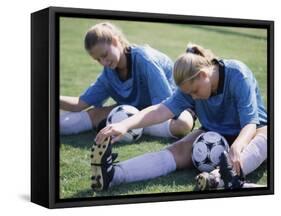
x=103 y=32
x=188 y=65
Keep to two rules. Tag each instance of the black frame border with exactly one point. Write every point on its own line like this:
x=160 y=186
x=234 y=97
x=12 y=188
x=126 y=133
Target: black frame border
x=54 y=13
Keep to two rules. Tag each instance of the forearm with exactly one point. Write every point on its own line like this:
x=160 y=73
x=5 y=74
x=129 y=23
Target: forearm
x=72 y=104
x=151 y=115
x=245 y=136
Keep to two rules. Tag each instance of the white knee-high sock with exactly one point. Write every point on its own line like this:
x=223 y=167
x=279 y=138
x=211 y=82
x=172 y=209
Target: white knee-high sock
x=144 y=167
x=254 y=154
x=74 y=122
x=159 y=130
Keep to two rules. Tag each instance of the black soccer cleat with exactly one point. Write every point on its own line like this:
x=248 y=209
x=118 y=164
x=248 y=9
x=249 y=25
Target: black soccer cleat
x=229 y=176
x=102 y=165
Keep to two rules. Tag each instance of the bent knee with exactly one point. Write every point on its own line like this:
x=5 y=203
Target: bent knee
x=74 y=122
x=181 y=127
x=97 y=115
x=182 y=154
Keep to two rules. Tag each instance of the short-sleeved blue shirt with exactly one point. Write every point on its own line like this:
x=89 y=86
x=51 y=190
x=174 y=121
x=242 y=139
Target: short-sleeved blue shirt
x=150 y=83
x=238 y=101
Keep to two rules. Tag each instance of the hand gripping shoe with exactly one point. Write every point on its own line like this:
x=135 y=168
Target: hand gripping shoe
x=228 y=174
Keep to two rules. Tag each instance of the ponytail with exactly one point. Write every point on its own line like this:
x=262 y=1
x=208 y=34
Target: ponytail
x=190 y=63
x=200 y=51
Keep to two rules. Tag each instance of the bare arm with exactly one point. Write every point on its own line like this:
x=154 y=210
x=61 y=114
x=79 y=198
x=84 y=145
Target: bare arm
x=72 y=104
x=151 y=115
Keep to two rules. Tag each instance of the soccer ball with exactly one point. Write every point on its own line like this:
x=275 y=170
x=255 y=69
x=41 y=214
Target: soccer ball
x=120 y=113
x=207 y=149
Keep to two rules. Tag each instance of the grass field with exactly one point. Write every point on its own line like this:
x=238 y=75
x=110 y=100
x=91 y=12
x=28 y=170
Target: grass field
x=78 y=71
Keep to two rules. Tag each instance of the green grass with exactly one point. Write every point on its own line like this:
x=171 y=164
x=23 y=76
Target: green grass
x=78 y=71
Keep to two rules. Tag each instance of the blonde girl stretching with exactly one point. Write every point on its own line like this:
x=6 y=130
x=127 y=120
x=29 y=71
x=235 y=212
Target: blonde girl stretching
x=226 y=98
x=135 y=75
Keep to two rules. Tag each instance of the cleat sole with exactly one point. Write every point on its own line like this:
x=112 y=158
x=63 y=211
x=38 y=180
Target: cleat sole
x=202 y=181
x=96 y=157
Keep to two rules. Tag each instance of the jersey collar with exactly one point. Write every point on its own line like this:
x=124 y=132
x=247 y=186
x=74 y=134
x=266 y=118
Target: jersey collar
x=220 y=63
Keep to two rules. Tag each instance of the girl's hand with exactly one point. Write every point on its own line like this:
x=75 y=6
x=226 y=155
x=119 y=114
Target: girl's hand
x=234 y=154
x=116 y=131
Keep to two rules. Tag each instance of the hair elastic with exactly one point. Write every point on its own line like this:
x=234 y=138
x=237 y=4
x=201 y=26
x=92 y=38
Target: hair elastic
x=190 y=50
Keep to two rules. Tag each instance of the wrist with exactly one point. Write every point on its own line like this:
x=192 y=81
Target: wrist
x=126 y=125
x=236 y=147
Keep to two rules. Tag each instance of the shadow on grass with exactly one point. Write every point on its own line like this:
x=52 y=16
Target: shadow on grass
x=82 y=140
x=86 y=140
x=175 y=182
x=258 y=174
x=230 y=32
x=146 y=139
x=179 y=181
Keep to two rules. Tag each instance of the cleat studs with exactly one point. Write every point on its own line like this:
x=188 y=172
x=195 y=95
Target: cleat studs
x=100 y=153
x=92 y=156
x=104 y=146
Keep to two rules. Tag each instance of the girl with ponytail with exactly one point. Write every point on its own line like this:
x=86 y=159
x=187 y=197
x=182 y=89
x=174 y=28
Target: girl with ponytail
x=226 y=99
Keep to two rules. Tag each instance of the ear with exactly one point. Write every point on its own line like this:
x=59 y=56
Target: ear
x=203 y=74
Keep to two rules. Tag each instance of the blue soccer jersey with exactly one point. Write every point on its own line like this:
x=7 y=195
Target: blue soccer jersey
x=238 y=101
x=150 y=83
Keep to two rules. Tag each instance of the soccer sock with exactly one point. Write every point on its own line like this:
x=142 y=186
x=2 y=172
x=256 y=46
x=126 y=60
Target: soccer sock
x=254 y=154
x=74 y=122
x=144 y=167
x=159 y=130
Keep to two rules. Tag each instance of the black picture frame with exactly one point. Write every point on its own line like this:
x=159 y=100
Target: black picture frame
x=45 y=105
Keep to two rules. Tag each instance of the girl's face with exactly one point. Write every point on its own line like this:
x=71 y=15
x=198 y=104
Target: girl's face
x=199 y=88
x=107 y=54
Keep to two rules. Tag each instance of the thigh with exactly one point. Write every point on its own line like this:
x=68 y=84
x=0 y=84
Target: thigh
x=182 y=149
x=97 y=114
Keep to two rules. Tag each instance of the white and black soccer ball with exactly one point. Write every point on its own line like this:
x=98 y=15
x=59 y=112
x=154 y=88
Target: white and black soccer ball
x=120 y=113
x=207 y=149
